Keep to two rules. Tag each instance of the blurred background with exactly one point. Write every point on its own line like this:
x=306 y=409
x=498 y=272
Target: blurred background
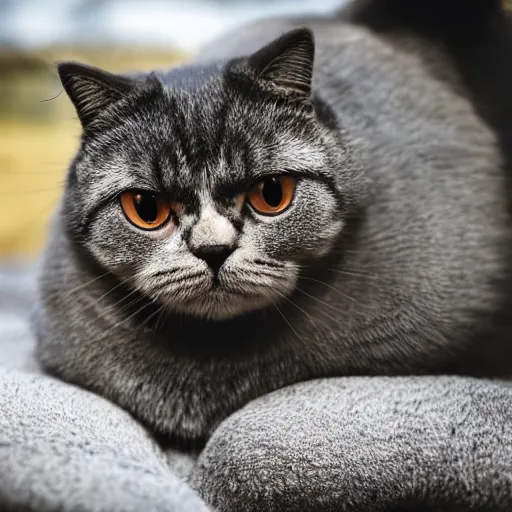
x=38 y=128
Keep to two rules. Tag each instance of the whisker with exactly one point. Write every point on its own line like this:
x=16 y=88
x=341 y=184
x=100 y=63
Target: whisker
x=294 y=304
x=353 y=274
x=334 y=308
x=101 y=297
x=53 y=97
x=158 y=312
x=256 y=280
x=162 y=310
x=345 y=272
x=110 y=290
x=121 y=300
x=129 y=317
x=285 y=319
x=330 y=287
x=116 y=304
x=84 y=285
x=372 y=279
x=122 y=309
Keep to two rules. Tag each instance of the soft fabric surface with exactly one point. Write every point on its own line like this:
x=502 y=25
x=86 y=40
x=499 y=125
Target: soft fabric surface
x=64 y=449
x=365 y=444
x=422 y=443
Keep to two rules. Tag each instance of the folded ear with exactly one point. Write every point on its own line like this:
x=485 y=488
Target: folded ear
x=92 y=90
x=287 y=62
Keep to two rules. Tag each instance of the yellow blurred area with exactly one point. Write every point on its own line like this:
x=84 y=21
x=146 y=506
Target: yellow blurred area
x=38 y=138
x=33 y=158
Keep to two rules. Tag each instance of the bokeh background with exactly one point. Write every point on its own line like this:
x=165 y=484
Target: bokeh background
x=38 y=128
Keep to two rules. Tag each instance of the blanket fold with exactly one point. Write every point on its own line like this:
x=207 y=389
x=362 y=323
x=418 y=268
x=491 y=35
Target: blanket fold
x=410 y=443
x=64 y=449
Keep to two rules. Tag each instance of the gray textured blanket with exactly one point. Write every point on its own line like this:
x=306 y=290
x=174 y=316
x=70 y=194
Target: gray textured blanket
x=409 y=443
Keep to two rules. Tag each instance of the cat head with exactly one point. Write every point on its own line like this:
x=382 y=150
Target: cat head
x=209 y=188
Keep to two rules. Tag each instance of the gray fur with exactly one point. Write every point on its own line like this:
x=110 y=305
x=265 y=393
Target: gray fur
x=64 y=449
x=385 y=263
x=372 y=444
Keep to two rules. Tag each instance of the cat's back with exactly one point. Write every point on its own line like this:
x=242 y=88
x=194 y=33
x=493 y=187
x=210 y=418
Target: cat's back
x=383 y=77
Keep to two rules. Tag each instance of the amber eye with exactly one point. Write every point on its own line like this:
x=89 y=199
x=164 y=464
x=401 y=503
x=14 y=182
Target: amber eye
x=145 y=209
x=272 y=195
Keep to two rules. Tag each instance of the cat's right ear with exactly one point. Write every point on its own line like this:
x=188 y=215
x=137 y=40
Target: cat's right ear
x=92 y=90
x=287 y=62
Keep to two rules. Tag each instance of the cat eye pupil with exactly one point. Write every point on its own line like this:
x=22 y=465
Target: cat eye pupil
x=145 y=210
x=272 y=192
x=146 y=206
x=273 y=195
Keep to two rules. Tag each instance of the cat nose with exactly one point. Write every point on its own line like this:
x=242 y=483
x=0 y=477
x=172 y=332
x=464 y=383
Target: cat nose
x=214 y=255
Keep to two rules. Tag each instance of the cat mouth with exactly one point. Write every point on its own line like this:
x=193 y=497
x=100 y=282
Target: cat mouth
x=230 y=292
x=218 y=298
x=221 y=302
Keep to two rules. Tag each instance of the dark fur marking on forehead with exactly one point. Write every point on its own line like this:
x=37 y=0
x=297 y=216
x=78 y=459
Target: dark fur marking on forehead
x=179 y=127
x=222 y=116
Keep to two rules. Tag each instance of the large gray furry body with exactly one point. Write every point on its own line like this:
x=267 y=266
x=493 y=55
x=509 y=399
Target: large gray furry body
x=413 y=276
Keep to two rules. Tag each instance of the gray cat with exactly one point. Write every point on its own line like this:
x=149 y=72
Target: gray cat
x=318 y=205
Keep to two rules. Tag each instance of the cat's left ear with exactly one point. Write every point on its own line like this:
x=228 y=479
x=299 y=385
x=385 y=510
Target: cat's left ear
x=287 y=62
x=92 y=90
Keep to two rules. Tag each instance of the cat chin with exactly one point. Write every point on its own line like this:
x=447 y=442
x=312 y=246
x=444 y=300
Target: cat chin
x=222 y=305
